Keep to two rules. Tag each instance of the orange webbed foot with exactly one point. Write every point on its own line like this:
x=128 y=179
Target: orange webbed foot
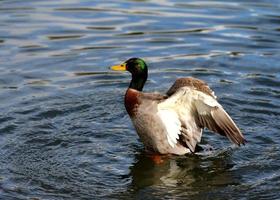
x=158 y=158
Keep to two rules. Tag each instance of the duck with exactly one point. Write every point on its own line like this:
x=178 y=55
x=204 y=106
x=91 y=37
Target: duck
x=173 y=123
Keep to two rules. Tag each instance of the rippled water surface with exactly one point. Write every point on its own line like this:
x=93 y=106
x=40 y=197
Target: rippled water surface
x=64 y=132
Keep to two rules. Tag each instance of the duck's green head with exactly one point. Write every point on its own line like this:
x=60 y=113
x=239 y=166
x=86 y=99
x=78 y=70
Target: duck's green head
x=139 y=70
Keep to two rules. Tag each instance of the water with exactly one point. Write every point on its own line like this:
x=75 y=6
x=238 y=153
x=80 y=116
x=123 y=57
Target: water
x=64 y=132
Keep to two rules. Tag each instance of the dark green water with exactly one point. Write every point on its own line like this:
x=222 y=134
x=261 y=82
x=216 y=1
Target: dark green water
x=64 y=132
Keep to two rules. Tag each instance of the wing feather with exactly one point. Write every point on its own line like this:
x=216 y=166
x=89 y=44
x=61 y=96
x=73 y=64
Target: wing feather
x=196 y=110
x=172 y=125
x=228 y=126
x=212 y=115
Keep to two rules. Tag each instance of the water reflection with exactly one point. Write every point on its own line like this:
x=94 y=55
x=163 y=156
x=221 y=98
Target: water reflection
x=188 y=172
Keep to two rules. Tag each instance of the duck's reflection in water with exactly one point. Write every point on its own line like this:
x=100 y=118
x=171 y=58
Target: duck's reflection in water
x=191 y=171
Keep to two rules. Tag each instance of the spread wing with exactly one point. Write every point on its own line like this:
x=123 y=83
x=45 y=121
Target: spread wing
x=192 y=110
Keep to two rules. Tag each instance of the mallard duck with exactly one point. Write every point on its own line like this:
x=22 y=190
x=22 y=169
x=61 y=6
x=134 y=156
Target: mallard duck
x=173 y=123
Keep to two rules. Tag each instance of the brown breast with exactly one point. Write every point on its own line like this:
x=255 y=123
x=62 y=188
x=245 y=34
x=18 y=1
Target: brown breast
x=131 y=101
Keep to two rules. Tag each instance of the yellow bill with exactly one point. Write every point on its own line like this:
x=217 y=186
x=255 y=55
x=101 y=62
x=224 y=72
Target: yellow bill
x=121 y=67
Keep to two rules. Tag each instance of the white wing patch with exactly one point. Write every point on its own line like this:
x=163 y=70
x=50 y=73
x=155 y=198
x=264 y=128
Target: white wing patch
x=172 y=124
